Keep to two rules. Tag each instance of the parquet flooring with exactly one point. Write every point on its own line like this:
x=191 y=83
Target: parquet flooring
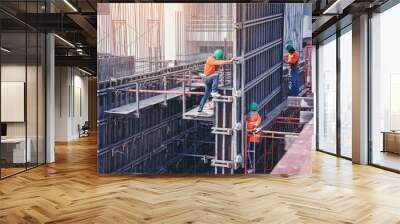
x=70 y=191
x=8 y=171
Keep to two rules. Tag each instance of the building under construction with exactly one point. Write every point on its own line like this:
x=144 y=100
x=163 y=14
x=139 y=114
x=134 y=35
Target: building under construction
x=149 y=88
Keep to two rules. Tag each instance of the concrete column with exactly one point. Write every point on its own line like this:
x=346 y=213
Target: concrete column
x=50 y=92
x=50 y=99
x=360 y=90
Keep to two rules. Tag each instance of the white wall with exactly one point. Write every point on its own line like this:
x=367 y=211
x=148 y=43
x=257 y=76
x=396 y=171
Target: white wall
x=61 y=103
x=71 y=102
x=16 y=73
x=80 y=111
x=11 y=73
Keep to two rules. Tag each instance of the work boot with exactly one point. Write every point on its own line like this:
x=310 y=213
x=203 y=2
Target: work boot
x=210 y=105
x=202 y=113
x=215 y=94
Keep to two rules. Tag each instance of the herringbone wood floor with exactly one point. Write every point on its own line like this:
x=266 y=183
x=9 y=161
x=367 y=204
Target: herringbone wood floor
x=70 y=191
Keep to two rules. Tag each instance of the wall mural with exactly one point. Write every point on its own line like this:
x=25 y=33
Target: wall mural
x=217 y=88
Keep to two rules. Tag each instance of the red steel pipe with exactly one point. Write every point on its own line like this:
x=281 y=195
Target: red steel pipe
x=265 y=155
x=164 y=91
x=289 y=118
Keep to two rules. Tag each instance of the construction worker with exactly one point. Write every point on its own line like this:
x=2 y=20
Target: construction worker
x=293 y=61
x=253 y=120
x=212 y=76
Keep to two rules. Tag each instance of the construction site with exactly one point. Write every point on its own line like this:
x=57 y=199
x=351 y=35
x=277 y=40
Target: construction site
x=150 y=63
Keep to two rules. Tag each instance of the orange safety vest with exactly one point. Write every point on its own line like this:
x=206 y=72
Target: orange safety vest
x=293 y=59
x=211 y=65
x=252 y=121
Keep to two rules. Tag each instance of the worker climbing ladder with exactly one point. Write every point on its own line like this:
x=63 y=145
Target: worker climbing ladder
x=219 y=112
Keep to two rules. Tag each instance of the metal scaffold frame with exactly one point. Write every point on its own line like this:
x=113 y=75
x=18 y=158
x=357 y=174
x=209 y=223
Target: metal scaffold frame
x=252 y=46
x=129 y=95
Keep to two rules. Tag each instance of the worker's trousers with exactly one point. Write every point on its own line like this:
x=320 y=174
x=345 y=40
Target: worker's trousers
x=211 y=83
x=251 y=150
x=294 y=81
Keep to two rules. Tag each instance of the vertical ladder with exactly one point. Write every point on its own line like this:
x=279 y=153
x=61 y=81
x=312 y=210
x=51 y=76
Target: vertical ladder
x=223 y=130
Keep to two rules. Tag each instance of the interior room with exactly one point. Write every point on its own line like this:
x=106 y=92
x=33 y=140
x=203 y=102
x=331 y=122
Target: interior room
x=48 y=83
x=72 y=111
x=22 y=99
x=50 y=128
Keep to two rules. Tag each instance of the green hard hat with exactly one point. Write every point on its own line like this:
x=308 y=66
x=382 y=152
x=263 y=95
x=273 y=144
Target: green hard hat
x=289 y=47
x=218 y=54
x=253 y=106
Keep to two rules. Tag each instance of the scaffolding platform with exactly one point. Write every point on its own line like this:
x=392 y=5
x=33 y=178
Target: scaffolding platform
x=206 y=115
x=301 y=102
x=298 y=159
x=133 y=107
x=144 y=103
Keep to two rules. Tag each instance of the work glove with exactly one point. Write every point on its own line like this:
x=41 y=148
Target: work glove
x=235 y=59
x=255 y=130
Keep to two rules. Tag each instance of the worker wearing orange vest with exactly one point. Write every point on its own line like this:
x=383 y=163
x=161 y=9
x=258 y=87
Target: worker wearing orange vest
x=253 y=120
x=212 y=76
x=293 y=61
